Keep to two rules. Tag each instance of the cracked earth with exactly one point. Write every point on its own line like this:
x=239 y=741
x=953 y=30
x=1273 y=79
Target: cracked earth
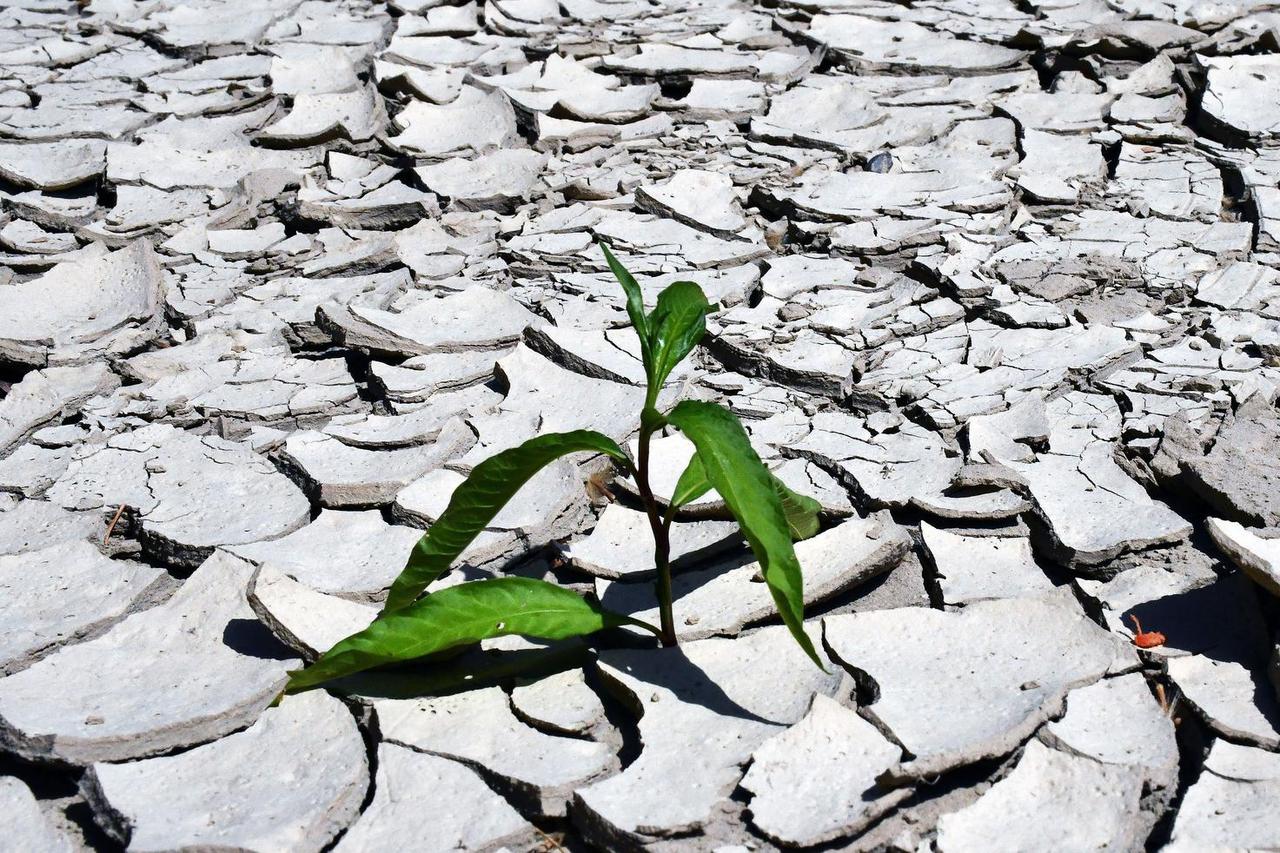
x=998 y=284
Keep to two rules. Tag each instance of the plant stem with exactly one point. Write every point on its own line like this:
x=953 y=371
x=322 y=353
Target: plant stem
x=662 y=559
x=661 y=540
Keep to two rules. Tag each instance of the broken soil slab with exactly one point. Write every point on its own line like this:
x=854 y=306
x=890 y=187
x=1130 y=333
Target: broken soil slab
x=1240 y=96
x=192 y=493
x=53 y=165
x=306 y=621
x=49 y=396
x=356 y=554
x=356 y=115
x=475 y=819
x=1118 y=721
x=63 y=593
x=293 y=780
x=1010 y=667
x=617 y=548
x=1257 y=555
x=723 y=599
x=474 y=122
x=427 y=377
x=1093 y=510
x=1233 y=700
x=703 y=711
x=1089 y=805
x=866 y=42
x=562 y=703
x=58 y=318
x=973 y=568
x=498 y=181
x=477 y=318
x=1240 y=473
x=816 y=781
x=536 y=771
x=698 y=198
x=1232 y=805
x=107 y=699
x=36 y=525
x=26 y=827
x=339 y=475
x=417 y=424
x=889 y=468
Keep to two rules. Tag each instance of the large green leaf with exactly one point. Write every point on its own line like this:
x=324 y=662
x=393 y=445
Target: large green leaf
x=735 y=471
x=477 y=500
x=460 y=615
x=677 y=323
x=635 y=306
x=474 y=668
x=801 y=511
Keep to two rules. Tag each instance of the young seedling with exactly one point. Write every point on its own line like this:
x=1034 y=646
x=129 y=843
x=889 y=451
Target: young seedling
x=415 y=623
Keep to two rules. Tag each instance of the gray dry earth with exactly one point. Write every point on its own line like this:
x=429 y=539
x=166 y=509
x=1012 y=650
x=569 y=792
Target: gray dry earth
x=998 y=282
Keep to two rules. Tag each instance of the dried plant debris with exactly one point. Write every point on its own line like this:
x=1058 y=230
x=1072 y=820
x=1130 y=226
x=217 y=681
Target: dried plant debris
x=997 y=285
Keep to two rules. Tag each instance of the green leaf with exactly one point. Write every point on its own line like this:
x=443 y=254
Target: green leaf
x=477 y=500
x=693 y=483
x=635 y=306
x=677 y=323
x=456 y=616
x=801 y=511
x=735 y=471
x=474 y=668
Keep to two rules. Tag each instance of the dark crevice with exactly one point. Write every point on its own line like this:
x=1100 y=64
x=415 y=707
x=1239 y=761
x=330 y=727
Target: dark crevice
x=370 y=733
x=1238 y=202
x=1193 y=741
x=1111 y=156
x=53 y=783
x=675 y=88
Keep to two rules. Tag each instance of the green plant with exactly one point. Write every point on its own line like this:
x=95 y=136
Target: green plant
x=414 y=624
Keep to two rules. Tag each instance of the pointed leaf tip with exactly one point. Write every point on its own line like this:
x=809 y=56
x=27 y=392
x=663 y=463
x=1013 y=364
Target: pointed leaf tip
x=734 y=469
x=677 y=324
x=635 y=304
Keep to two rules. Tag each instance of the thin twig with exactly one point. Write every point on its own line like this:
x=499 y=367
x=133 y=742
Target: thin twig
x=112 y=526
x=1169 y=706
x=597 y=487
x=550 y=840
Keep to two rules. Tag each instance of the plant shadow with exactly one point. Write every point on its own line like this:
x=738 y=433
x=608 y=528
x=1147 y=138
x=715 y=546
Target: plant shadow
x=471 y=670
x=670 y=670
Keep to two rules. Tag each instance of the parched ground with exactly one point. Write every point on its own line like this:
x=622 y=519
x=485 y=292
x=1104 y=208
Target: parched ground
x=998 y=282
